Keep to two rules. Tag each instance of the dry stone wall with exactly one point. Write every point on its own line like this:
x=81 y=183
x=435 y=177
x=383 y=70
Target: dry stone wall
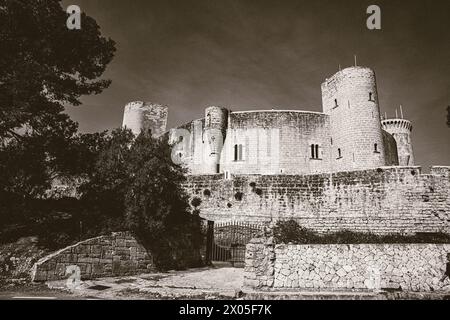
x=407 y=267
x=382 y=201
x=107 y=256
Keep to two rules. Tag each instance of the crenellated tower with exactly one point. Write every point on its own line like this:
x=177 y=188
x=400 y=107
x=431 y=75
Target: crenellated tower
x=401 y=130
x=350 y=98
x=139 y=116
x=216 y=121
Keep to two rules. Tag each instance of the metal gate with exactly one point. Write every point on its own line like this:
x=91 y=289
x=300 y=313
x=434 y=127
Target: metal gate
x=227 y=241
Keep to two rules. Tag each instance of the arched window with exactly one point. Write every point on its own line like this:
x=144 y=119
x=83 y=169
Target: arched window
x=336 y=103
x=317 y=152
x=339 y=153
x=236 y=152
x=313 y=152
x=371 y=96
x=376 y=147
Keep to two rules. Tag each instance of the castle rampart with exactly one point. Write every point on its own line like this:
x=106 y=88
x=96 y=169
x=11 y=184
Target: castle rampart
x=384 y=200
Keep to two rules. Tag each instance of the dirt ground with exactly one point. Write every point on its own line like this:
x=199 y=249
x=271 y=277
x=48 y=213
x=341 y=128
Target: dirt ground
x=220 y=283
x=205 y=283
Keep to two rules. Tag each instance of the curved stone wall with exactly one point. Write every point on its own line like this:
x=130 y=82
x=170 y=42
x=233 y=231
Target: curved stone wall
x=141 y=115
x=401 y=130
x=107 y=256
x=350 y=97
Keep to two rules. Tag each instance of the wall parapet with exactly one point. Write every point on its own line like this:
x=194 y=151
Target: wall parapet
x=365 y=267
x=117 y=254
x=384 y=200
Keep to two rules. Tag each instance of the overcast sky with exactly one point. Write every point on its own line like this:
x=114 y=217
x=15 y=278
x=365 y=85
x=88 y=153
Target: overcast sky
x=258 y=54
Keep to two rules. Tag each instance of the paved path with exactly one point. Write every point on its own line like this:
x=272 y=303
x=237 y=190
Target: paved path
x=196 y=284
x=202 y=283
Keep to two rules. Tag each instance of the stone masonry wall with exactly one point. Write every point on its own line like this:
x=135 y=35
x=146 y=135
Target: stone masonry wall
x=141 y=115
x=277 y=142
x=407 y=267
x=385 y=200
x=107 y=256
x=350 y=98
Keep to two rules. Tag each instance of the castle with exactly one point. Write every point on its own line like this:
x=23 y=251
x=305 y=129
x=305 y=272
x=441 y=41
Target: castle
x=342 y=169
x=347 y=135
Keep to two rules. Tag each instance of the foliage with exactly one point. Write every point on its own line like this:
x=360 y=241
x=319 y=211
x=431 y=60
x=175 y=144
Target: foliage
x=157 y=207
x=129 y=183
x=43 y=67
x=291 y=232
x=448 y=116
x=135 y=185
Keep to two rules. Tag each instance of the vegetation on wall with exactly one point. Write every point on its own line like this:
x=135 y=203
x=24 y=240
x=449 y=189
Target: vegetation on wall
x=290 y=231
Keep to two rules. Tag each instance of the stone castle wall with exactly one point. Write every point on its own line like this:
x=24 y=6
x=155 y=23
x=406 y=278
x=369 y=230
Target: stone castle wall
x=385 y=200
x=401 y=129
x=107 y=256
x=350 y=98
x=273 y=142
x=408 y=267
x=277 y=142
x=140 y=116
x=347 y=136
x=390 y=149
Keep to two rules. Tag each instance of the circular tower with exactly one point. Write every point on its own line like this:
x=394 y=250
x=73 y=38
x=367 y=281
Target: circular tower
x=401 y=130
x=350 y=98
x=142 y=116
x=216 y=121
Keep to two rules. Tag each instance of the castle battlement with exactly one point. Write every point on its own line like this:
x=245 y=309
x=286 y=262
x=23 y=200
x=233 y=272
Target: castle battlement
x=347 y=136
x=341 y=169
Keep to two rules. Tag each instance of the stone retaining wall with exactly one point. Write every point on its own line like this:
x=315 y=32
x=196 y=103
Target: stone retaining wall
x=407 y=267
x=107 y=256
x=383 y=201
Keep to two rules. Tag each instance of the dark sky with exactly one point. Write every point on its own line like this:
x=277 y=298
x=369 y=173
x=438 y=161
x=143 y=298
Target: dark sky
x=258 y=54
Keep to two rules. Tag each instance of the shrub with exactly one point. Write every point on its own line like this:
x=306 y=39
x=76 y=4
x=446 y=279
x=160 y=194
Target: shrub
x=291 y=232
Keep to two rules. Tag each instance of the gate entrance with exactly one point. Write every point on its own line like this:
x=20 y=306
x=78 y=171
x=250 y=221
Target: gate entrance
x=226 y=242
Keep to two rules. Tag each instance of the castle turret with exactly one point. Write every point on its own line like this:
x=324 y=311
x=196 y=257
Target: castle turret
x=350 y=98
x=139 y=116
x=401 y=130
x=216 y=120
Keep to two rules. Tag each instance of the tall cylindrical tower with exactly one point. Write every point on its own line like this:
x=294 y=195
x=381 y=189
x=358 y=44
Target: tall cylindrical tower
x=401 y=130
x=350 y=98
x=216 y=121
x=139 y=116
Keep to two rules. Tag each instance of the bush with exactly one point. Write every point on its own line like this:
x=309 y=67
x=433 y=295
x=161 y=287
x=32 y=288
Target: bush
x=291 y=232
